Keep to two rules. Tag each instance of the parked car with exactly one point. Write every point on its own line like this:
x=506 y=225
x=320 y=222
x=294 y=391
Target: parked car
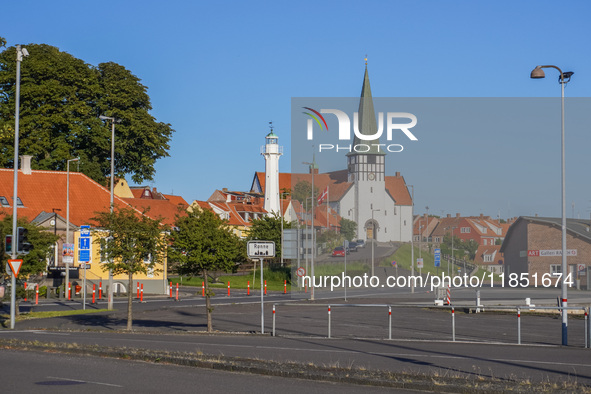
x=353 y=246
x=339 y=251
x=360 y=243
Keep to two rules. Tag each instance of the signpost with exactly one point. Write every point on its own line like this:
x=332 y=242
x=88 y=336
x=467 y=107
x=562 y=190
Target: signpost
x=346 y=246
x=420 y=265
x=84 y=256
x=261 y=250
x=437 y=255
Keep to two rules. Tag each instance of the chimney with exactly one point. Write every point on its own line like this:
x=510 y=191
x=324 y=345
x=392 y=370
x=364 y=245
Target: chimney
x=225 y=189
x=397 y=174
x=457 y=215
x=481 y=216
x=26 y=164
x=449 y=215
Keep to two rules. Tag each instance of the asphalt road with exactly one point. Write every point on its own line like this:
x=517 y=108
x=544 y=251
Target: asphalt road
x=35 y=372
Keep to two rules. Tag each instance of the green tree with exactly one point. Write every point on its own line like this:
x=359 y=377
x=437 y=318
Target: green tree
x=201 y=243
x=61 y=100
x=35 y=262
x=268 y=228
x=131 y=243
x=348 y=229
x=302 y=191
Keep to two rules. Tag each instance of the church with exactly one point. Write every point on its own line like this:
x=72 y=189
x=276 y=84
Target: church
x=379 y=204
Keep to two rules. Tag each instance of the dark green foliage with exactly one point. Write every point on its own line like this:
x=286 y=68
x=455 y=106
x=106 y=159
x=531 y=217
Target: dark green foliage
x=35 y=261
x=268 y=228
x=61 y=100
x=348 y=229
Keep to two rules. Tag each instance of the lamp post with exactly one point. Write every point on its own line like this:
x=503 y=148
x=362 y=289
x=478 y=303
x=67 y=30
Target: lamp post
x=20 y=52
x=564 y=78
x=54 y=210
x=412 y=235
x=111 y=203
x=281 y=210
x=373 y=236
x=68 y=223
x=452 y=247
x=313 y=168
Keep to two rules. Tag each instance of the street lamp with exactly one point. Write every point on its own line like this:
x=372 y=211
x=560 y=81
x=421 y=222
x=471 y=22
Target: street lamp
x=538 y=73
x=20 y=52
x=111 y=204
x=452 y=248
x=312 y=166
x=373 y=236
x=54 y=210
x=281 y=210
x=412 y=235
x=68 y=224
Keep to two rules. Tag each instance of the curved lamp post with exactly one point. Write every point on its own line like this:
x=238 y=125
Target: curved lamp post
x=538 y=73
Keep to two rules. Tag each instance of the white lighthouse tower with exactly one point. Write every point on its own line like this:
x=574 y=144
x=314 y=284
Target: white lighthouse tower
x=272 y=151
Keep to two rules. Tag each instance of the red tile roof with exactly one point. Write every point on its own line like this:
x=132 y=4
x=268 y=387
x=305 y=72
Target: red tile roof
x=163 y=210
x=46 y=190
x=338 y=185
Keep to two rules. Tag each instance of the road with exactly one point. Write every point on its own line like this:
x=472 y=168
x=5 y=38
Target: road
x=31 y=372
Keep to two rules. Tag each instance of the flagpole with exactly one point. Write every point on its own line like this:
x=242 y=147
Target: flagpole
x=327 y=207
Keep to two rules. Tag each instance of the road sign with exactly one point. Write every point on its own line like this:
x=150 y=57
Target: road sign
x=437 y=254
x=15 y=266
x=260 y=249
x=301 y=272
x=582 y=268
x=393 y=264
x=420 y=262
x=84 y=244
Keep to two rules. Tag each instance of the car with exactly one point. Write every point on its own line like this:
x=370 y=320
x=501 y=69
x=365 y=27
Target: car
x=360 y=243
x=353 y=246
x=339 y=251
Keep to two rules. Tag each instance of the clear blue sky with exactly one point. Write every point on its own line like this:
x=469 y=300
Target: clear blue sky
x=220 y=71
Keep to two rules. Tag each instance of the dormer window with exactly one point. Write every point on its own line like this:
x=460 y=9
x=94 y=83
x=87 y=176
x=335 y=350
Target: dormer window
x=4 y=202
x=19 y=203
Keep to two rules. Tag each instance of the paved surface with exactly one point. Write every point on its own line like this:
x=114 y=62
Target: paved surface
x=58 y=373
x=421 y=337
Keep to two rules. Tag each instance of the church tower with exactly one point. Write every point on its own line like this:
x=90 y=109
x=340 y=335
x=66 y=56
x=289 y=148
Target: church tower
x=366 y=169
x=272 y=151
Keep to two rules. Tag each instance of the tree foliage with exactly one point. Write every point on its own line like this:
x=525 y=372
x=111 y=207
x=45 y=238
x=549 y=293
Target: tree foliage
x=35 y=261
x=302 y=191
x=268 y=228
x=348 y=229
x=61 y=100
x=131 y=243
x=201 y=243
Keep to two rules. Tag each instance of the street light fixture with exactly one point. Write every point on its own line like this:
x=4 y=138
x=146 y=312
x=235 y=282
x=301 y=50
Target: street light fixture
x=313 y=167
x=538 y=73
x=111 y=203
x=20 y=52
x=373 y=241
x=68 y=223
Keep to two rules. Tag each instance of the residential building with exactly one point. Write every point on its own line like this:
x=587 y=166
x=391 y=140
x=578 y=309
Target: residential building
x=533 y=246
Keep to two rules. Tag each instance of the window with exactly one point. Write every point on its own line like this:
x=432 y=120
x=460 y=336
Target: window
x=465 y=230
x=488 y=258
x=19 y=203
x=555 y=269
x=4 y=201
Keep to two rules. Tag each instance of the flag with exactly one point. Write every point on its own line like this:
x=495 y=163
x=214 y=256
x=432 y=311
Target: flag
x=323 y=196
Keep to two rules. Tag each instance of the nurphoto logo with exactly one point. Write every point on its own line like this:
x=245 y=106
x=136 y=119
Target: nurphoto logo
x=344 y=130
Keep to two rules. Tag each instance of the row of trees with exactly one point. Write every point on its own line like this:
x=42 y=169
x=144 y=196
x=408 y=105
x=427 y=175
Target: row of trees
x=199 y=244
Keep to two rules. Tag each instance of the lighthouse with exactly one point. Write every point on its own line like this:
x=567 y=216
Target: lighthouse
x=271 y=152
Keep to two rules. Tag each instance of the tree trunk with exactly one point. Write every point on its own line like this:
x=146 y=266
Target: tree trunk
x=129 y=302
x=208 y=307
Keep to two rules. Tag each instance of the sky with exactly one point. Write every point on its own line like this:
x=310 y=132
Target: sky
x=219 y=72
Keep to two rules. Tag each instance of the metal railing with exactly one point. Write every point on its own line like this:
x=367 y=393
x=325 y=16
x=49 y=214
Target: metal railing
x=452 y=308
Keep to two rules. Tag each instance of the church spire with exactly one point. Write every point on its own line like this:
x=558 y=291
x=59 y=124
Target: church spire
x=367 y=117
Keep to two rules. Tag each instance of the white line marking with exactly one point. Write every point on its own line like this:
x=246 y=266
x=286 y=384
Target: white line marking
x=84 y=381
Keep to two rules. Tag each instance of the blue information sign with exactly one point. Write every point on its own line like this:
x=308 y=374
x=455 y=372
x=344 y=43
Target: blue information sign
x=84 y=244
x=437 y=255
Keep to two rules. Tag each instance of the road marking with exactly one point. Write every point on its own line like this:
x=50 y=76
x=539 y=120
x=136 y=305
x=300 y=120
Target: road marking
x=84 y=381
